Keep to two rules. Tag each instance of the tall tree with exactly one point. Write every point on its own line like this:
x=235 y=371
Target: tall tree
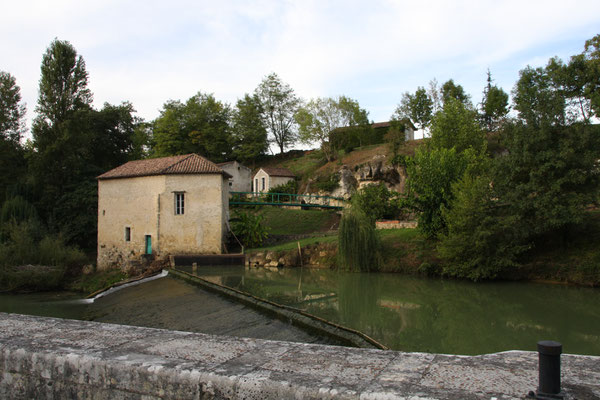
x=494 y=105
x=12 y=111
x=249 y=133
x=318 y=118
x=201 y=125
x=451 y=90
x=591 y=90
x=417 y=107
x=12 y=126
x=280 y=105
x=456 y=126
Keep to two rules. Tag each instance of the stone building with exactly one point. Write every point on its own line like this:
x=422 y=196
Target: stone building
x=161 y=206
x=241 y=176
x=267 y=178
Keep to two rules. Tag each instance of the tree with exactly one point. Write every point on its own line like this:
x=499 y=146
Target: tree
x=431 y=175
x=201 y=125
x=417 y=107
x=450 y=90
x=280 y=105
x=591 y=88
x=12 y=126
x=317 y=119
x=494 y=105
x=249 y=133
x=12 y=111
x=456 y=126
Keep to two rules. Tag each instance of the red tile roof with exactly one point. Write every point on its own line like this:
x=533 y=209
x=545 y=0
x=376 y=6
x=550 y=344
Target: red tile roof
x=175 y=165
x=278 y=172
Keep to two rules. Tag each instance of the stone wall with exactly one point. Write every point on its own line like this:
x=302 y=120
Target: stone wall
x=320 y=255
x=395 y=224
x=48 y=358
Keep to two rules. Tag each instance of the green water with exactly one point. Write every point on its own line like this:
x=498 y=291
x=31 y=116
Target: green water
x=404 y=313
x=425 y=315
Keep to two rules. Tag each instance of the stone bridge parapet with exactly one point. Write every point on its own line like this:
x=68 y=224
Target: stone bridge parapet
x=50 y=358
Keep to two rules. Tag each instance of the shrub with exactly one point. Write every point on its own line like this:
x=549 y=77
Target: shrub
x=327 y=183
x=290 y=187
x=249 y=229
x=377 y=202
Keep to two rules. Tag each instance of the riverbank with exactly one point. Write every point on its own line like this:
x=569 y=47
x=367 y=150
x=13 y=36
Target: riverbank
x=407 y=251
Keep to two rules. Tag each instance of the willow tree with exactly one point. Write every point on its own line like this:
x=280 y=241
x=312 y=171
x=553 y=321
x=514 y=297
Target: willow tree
x=358 y=244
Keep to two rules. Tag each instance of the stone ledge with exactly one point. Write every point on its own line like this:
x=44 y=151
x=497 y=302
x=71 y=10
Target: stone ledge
x=53 y=358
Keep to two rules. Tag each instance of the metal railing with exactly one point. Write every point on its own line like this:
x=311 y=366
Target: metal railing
x=286 y=199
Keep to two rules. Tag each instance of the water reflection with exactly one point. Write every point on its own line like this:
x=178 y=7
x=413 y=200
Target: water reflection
x=413 y=314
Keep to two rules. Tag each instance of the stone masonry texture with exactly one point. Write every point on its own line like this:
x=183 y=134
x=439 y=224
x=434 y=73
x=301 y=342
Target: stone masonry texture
x=50 y=358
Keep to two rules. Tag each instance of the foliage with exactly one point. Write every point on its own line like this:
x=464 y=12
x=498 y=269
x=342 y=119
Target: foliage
x=290 y=187
x=349 y=138
x=280 y=105
x=395 y=138
x=323 y=115
x=249 y=229
x=431 y=174
x=358 y=243
x=16 y=210
x=284 y=221
x=417 y=107
x=494 y=105
x=549 y=175
x=97 y=280
x=200 y=125
x=327 y=183
x=376 y=202
x=12 y=111
x=450 y=90
x=249 y=132
x=482 y=240
x=456 y=126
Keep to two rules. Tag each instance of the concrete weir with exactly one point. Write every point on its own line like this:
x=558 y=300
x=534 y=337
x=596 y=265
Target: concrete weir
x=50 y=358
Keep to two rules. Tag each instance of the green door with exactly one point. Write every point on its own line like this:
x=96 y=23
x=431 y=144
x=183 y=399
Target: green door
x=148 y=244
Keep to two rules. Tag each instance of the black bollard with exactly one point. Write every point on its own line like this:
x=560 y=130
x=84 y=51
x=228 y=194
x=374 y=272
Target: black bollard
x=549 y=370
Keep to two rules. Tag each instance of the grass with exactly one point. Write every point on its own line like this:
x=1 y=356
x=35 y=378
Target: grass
x=282 y=221
x=292 y=245
x=97 y=280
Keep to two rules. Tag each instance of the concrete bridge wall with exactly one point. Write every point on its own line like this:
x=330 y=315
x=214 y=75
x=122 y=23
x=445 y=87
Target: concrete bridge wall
x=49 y=358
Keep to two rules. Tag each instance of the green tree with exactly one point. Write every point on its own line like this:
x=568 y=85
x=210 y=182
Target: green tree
x=451 y=90
x=358 y=243
x=280 y=105
x=317 y=119
x=482 y=239
x=201 y=125
x=494 y=105
x=12 y=126
x=591 y=88
x=456 y=126
x=249 y=135
x=431 y=175
x=417 y=107
x=12 y=111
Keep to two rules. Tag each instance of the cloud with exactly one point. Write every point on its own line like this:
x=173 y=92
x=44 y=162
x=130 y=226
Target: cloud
x=373 y=51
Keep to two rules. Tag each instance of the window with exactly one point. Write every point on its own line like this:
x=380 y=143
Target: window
x=127 y=234
x=263 y=183
x=256 y=185
x=179 y=203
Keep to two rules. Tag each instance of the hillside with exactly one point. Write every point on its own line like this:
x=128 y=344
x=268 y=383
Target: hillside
x=362 y=165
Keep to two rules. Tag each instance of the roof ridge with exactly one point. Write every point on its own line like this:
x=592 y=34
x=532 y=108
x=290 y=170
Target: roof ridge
x=178 y=162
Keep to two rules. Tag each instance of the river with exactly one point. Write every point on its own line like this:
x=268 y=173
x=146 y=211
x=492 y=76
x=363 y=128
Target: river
x=405 y=313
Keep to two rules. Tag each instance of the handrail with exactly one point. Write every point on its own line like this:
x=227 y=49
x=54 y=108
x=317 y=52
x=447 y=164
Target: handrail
x=236 y=238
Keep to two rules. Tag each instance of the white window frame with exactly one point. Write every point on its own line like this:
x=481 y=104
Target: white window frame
x=179 y=203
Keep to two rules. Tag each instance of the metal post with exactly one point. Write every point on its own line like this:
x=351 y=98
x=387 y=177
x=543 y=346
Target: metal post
x=549 y=370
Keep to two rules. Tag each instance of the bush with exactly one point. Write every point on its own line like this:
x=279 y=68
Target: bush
x=249 y=229
x=327 y=183
x=290 y=187
x=377 y=202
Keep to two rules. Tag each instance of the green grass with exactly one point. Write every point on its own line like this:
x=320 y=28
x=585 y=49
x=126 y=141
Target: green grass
x=282 y=221
x=294 y=244
x=97 y=280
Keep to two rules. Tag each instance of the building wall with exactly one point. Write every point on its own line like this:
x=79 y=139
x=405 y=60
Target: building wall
x=147 y=206
x=410 y=133
x=242 y=176
x=270 y=181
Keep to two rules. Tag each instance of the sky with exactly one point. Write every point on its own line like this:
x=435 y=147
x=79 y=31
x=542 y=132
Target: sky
x=372 y=51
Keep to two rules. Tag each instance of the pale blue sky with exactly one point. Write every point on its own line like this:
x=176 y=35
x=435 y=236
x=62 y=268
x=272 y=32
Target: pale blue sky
x=373 y=51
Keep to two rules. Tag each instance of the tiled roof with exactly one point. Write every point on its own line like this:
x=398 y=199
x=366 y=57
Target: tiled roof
x=278 y=172
x=175 y=165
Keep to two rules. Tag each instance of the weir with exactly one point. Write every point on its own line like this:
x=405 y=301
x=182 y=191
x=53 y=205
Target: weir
x=54 y=358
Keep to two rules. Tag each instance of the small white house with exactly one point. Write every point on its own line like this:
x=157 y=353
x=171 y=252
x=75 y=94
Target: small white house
x=241 y=176
x=267 y=178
